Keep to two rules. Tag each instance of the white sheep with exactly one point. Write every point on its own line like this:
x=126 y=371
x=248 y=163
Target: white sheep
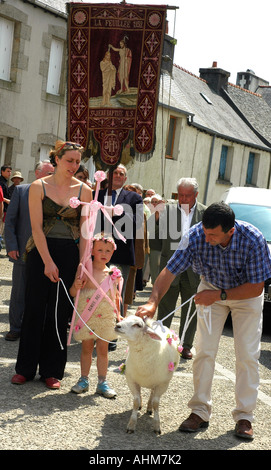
x=153 y=356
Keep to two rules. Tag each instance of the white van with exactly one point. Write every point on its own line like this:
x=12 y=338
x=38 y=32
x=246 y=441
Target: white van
x=253 y=205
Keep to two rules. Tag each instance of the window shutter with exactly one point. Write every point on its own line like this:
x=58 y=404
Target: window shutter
x=223 y=162
x=55 y=65
x=6 y=44
x=171 y=136
x=250 y=168
x=44 y=152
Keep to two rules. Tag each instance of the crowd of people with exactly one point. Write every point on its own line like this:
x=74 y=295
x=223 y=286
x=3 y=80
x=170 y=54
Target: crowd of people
x=42 y=239
x=179 y=247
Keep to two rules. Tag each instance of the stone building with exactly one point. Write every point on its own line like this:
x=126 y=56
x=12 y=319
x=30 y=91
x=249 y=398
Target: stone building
x=206 y=127
x=32 y=81
x=209 y=129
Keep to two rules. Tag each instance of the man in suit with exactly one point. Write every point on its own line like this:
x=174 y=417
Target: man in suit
x=1 y=202
x=129 y=223
x=17 y=232
x=4 y=178
x=174 y=222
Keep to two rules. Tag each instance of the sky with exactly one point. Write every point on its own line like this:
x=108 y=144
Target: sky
x=231 y=33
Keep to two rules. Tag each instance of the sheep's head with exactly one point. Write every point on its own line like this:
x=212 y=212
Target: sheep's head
x=134 y=328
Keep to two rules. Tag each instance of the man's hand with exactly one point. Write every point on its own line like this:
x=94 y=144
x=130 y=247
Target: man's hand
x=242 y=292
x=14 y=254
x=207 y=297
x=159 y=289
x=147 y=310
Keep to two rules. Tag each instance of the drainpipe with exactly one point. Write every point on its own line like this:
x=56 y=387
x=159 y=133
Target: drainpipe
x=209 y=169
x=269 y=175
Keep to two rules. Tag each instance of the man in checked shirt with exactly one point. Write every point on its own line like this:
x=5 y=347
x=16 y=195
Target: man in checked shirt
x=233 y=260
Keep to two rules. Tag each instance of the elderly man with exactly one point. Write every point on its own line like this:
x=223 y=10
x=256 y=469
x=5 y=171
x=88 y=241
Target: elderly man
x=174 y=222
x=16 y=180
x=17 y=232
x=233 y=260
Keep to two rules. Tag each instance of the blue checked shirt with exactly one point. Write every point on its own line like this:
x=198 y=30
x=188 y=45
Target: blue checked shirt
x=246 y=259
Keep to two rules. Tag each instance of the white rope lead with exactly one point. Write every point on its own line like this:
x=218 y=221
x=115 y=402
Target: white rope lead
x=205 y=313
x=157 y=323
x=57 y=295
x=201 y=310
x=76 y=313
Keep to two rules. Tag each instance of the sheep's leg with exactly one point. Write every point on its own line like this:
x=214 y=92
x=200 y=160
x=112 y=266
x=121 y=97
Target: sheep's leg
x=135 y=389
x=150 y=405
x=157 y=392
x=156 y=418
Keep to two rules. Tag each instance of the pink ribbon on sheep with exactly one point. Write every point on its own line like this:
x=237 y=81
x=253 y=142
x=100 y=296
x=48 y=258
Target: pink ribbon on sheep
x=93 y=207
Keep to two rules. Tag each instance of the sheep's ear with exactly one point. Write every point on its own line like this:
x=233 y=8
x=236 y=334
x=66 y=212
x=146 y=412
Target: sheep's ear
x=152 y=334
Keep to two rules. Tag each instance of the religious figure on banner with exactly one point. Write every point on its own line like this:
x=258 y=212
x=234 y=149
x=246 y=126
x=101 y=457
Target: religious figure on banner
x=124 y=65
x=114 y=115
x=109 y=78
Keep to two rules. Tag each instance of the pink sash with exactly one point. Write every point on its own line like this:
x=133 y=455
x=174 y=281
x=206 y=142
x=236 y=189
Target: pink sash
x=97 y=297
x=94 y=206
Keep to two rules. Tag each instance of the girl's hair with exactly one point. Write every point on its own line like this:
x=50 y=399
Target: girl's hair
x=83 y=169
x=61 y=147
x=104 y=238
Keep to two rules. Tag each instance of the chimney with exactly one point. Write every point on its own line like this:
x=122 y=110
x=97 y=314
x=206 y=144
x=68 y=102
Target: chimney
x=250 y=81
x=215 y=77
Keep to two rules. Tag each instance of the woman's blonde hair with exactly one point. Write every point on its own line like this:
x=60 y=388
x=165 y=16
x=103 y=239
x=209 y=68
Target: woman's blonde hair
x=61 y=147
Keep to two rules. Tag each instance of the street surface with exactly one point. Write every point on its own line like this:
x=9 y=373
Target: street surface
x=35 y=418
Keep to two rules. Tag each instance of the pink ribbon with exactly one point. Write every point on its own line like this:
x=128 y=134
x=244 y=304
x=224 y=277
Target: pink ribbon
x=86 y=262
x=97 y=297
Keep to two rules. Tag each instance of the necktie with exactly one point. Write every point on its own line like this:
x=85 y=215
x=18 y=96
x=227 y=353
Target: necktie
x=114 y=193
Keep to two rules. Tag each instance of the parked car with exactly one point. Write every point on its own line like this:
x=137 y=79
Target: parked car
x=253 y=205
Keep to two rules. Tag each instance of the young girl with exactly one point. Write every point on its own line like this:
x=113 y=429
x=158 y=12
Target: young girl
x=98 y=312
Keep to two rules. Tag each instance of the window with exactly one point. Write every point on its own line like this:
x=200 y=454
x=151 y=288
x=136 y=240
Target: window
x=205 y=97
x=55 y=66
x=252 y=169
x=225 y=164
x=171 y=137
x=6 y=44
x=3 y=144
x=44 y=152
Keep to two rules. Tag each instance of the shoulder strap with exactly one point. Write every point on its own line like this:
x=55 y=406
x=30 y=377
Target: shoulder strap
x=43 y=186
x=80 y=190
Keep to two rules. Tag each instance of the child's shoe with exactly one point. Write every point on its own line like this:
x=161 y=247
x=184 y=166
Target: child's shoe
x=104 y=389
x=81 y=386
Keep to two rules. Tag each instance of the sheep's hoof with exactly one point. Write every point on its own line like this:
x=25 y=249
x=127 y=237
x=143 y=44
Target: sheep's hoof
x=149 y=412
x=130 y=431
x=157 y=432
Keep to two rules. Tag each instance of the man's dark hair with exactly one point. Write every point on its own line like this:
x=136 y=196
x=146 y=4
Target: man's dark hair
x=217 y=214
x=4 y=167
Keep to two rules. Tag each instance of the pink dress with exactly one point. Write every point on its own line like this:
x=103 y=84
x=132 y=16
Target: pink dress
x=97 y=310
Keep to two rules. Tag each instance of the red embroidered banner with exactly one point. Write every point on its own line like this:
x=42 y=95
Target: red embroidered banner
x=115 y=53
